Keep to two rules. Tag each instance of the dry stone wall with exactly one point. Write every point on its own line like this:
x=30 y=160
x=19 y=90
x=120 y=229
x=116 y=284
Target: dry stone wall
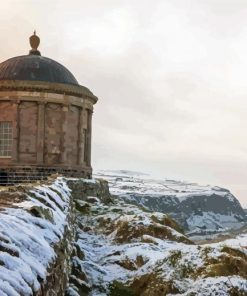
x=37 y=234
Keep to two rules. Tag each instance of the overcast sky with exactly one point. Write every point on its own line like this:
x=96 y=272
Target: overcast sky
x=171 y=77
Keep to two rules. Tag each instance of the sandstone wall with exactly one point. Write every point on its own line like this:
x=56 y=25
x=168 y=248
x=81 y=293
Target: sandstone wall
x=49 y=130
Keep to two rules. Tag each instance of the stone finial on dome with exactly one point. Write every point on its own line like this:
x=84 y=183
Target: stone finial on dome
x=34 y=42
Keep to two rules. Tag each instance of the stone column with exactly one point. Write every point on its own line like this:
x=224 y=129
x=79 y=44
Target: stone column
x=16 y=132
x=89 y=136
x=80 y=150
x=64 y=138
x=41 y=133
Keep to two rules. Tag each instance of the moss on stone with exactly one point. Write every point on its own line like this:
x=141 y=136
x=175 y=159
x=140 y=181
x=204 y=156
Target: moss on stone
x=82 y=207
x=120 y=289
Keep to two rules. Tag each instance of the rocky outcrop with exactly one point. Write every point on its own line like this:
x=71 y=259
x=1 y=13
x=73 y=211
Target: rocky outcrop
x=82 y=189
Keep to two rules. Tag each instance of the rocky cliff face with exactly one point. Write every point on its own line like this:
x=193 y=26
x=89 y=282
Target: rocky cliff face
x=199 y=209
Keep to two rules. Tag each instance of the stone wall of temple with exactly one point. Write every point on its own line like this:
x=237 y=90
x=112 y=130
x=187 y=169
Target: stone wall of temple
x=49 y=130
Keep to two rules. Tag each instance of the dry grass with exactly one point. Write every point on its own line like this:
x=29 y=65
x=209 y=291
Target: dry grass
x=232 y=262
x=8 y=199
x=120 y=289
x=227 y=266
x=168 y=221
x=152 y=285
x=132 y=264
x=127 y=232
x=234 y=252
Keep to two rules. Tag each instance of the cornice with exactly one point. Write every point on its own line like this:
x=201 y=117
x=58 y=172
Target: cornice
x=41 y=86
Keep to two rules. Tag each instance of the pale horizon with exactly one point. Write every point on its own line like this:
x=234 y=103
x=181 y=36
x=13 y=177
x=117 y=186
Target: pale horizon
x=170 y=76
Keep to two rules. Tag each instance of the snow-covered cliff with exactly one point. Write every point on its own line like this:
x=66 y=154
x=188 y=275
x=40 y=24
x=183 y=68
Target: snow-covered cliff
x=199 y=209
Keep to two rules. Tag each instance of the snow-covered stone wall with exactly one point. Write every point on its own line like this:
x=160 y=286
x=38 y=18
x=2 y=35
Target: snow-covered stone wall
x=35 y=239
x=37 y=234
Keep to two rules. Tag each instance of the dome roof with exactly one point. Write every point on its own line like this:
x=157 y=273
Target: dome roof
x=35 y=73
x=34 y=67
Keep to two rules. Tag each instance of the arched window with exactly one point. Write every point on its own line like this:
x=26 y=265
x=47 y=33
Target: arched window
x=6 y=138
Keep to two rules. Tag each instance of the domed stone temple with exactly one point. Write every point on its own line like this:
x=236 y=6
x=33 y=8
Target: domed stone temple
x=45 y=119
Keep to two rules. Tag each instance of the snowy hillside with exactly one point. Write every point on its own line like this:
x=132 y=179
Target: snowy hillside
x=130 y=252
x=68 y=234
x=199 y=209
